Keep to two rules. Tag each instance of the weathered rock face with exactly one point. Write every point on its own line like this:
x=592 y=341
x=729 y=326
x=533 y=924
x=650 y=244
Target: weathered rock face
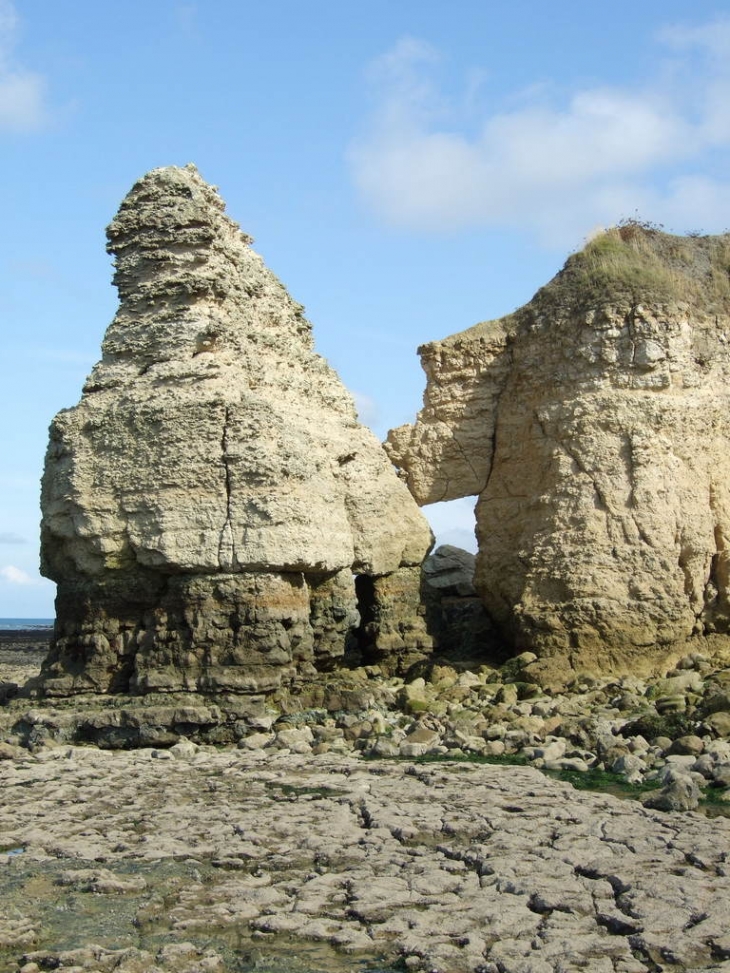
x=594 y=424
x=207 y=503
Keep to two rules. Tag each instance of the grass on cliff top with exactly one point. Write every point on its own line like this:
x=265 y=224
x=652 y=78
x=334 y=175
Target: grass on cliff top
x=629 y=264
x=639 y=264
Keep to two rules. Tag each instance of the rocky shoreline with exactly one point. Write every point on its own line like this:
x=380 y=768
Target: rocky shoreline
x=205 y=859
x=669 y=735
x=269 y=721
x=237 y=834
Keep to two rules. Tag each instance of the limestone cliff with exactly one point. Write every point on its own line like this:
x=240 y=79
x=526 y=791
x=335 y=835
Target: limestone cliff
x=594 y=426
x=208 y=501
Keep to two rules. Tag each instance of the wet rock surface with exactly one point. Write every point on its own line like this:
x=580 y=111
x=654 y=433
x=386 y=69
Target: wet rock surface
x=290 y=851
x=196 y=859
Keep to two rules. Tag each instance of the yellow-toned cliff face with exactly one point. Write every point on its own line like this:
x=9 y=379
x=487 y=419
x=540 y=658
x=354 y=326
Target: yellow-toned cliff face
x=594 y=426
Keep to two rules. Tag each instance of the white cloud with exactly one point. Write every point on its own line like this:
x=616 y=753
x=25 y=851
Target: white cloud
x=22 y=92
x=553 y=166
x=8 y=537
x=14 y=575
x=712 y=39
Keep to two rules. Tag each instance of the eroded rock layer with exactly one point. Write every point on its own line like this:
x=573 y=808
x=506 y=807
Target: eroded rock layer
x=594 y=426
x=207 y=503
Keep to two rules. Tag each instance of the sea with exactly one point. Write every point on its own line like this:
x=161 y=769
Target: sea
x=15 y=624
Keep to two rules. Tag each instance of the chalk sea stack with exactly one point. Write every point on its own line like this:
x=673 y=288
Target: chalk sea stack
x=213 y=513
x=593 y=424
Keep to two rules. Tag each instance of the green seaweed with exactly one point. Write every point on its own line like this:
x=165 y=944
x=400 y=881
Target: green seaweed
x=651 y=725
x=603 y=780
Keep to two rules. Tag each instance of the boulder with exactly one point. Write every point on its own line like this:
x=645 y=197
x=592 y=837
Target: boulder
x=214 y=515
x=456 y=616
x=593 y=425
x=450 y=571
x=680 y=793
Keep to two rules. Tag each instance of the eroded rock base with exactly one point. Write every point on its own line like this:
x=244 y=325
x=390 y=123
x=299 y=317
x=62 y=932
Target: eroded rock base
x=237 y=633
x=394 y=631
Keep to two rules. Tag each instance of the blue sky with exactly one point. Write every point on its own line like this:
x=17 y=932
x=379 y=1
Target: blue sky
x=406 y=167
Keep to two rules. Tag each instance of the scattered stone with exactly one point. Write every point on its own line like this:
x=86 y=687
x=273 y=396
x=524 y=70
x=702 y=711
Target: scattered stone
x=296 y=739
x=720 y=723
x=721 y=775
x=630 y=766
x=449 y=709
x=680 y=793
x=419 y=742
x=687 y=745
x=256 y=741
x=184 y=749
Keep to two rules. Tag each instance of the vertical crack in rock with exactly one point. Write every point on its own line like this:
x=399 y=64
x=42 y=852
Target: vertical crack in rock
x=627 y=454
x=465 y=456
x=495 y=420
x=717 y=584
x=367 y=821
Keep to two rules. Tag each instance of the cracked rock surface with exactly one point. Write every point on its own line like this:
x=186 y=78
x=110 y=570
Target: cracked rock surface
x=593 y=426
x=155 y=857
x=208 y=501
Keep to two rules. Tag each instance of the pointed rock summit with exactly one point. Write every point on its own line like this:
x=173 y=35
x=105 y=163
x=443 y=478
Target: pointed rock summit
x=593 y=424
x=213 y=513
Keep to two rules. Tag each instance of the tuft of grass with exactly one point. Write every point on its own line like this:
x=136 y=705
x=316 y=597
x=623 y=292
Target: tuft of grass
x=714 y=803
x=637 y=263
x=716 y=797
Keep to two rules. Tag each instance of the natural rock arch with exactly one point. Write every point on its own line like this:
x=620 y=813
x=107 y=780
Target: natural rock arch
x=594 y=426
